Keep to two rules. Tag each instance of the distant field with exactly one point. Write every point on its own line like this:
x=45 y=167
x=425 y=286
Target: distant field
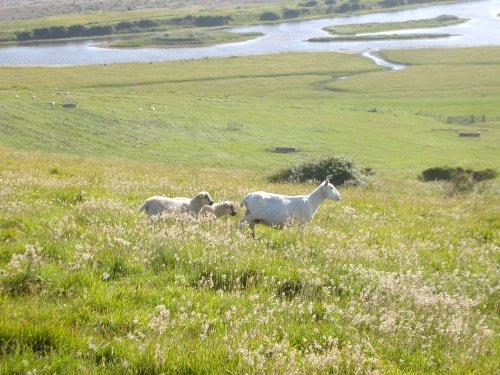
x=58 y=21
x=31 y=9
x=397 y=122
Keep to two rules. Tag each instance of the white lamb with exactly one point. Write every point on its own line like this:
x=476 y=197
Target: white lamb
x=160 y=204
x=219 y=209
x=277 y=210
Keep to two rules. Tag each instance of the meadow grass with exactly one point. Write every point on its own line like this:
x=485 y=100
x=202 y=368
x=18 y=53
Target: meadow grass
x=374 y=116
x=396 y=278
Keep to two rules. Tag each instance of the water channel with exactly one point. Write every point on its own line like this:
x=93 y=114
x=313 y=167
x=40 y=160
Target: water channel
x=483 y=29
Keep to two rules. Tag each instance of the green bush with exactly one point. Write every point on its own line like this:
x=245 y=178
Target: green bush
x=269 y=16
x=337 y=169
x=485 y=174
x=449 y=174
x=436 y=174
x=291 y=13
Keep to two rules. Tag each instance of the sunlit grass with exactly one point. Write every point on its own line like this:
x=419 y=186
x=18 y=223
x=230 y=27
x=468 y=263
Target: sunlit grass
x=395 y=278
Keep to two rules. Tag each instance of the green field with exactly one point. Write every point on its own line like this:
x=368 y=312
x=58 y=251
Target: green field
x=398 y=277
x=374 y=116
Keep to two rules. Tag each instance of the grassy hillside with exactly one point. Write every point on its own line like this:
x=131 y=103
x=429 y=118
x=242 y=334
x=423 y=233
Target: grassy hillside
x=397 y=122
x=396 y=278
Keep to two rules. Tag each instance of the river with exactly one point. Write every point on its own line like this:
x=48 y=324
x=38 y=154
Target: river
x=483 y=29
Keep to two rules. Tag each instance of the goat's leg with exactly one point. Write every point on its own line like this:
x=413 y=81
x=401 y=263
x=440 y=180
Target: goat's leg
x=252 y=227
x=242 y=222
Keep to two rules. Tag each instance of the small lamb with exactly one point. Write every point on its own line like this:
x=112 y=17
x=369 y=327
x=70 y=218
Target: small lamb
x=219 y=209
x=158 y=205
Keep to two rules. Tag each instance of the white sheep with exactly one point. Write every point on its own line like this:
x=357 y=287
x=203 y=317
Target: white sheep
x=219 y=209
x=158 y=205
x=277 y=210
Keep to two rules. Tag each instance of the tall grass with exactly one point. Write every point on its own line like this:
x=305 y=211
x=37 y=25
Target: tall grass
x=395 y=278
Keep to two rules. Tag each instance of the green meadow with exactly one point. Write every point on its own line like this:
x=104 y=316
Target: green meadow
x=399 y=277
x=320 y=103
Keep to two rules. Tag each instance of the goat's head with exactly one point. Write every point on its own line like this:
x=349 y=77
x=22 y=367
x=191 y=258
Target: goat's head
x=330 y=191
x=204 y=198
x=230 y=208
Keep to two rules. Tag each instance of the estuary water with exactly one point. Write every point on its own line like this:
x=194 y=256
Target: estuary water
x=483 y=29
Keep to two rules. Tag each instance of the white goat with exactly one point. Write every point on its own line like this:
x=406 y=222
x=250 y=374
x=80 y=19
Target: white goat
x=161 y=204
x=219 y=209
x=277 y=210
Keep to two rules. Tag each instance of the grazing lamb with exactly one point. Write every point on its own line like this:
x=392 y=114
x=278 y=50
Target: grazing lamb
x=160 y=204
x=277 y=210
x=219 y=209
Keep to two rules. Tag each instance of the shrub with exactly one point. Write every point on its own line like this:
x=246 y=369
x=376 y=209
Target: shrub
x=24 y=35
x=269 y=16
x=461 y=182
x=76 y=30
x=310 y=3
x=147 y=23
x=337 y=169
x=436 y=174
x=291 y=13
x=124 y=25
x=449 y=174
x=486 y=174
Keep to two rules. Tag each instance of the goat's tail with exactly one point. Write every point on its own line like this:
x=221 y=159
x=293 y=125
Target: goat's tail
x=144 y=206
x=243 y=202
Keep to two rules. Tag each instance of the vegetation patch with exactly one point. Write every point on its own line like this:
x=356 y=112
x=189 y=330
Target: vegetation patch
x=337 y=169
x=184 y=38
x=378 y=37
x=440 y=21
x=449 y=173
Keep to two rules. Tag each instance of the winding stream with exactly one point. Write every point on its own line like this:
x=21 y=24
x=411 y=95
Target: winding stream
x=483 y=29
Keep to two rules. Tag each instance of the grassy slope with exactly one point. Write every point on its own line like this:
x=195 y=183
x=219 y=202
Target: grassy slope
x=395 y=277
x=289 y=99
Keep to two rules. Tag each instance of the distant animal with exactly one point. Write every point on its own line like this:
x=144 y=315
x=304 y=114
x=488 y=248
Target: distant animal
x=276 y=210
x=158 y=205
x=53 y=104
x=219 y=209
x=33 y=97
